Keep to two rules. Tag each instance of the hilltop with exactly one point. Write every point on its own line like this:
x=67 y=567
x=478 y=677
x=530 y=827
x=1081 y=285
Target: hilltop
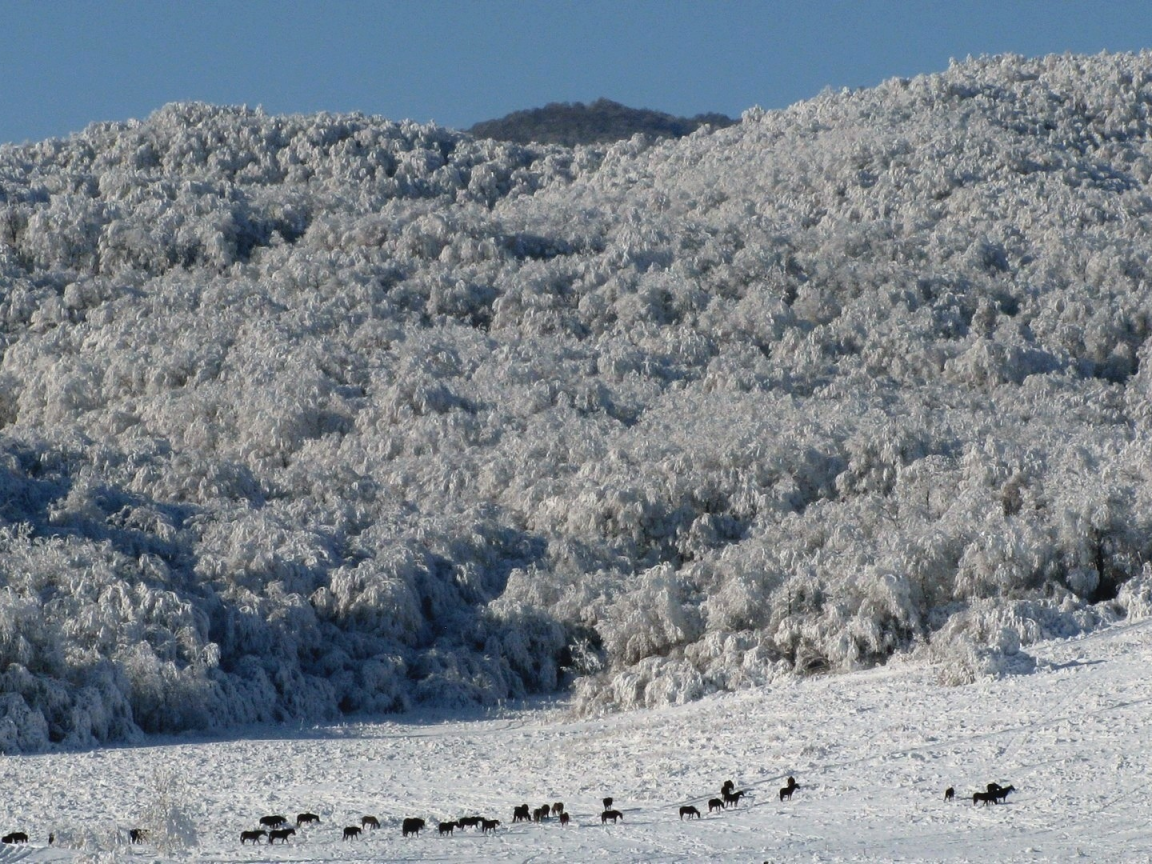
x=600 y=122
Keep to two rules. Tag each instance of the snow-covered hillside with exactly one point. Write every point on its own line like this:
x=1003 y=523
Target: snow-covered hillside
x=311 y=416
x=872 y=752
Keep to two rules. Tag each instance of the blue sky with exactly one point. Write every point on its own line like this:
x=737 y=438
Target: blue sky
x=65 y=64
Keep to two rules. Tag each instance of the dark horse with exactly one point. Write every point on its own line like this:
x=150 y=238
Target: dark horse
x=351 y=832
x=14 y=837
x=689 y=812
x=280 y=834
x=786 y=792
x=412 y=825
x=254 y=836
x=999 y=792
x=733 y=798
x=610 y=814
x=521 y=813
x=306 y=819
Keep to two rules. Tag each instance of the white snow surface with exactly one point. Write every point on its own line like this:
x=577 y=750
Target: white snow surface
x=872 y=751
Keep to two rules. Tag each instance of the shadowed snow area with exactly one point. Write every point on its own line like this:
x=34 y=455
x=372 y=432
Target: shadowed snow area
x=311 y=417
x=872 y=752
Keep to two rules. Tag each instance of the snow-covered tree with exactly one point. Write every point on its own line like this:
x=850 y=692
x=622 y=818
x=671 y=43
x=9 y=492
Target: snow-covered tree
x=311 y=415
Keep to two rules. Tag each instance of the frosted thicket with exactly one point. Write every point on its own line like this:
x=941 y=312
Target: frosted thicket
x=326 y=414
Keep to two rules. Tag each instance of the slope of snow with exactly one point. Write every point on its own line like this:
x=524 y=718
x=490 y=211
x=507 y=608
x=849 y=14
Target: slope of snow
x=872 y=751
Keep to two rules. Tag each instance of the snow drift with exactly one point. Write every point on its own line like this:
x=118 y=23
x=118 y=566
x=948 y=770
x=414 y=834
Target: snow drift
x=327 y=414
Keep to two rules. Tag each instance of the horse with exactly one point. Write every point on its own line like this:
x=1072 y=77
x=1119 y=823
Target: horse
x=733 y=798
x=14 y=837
x=446 y=827
x=610 y=814
x=521 y=814
x=306 y=819
x=369 y=822
x=1001 y=793
x=557 y=808
x=786 y=792
x=487 y=825
x=949 y=793
x=273 y=821
x=689 y=812
x=564 y=819
x=469 y=821
x=727 y=787
x=254 y=836
x=280 y=834
x=715 y=804
x=351 y=832
x=412 y=825
x=137 y=835
x=985 y=797
x=608 y=803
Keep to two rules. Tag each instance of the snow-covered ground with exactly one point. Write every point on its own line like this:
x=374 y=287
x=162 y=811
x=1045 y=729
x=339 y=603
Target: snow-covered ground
x=873 y=753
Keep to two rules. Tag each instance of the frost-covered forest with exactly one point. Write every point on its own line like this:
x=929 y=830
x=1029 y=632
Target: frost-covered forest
x=317 y=415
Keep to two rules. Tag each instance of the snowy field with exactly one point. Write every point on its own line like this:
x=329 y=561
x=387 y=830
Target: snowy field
x=872 y=751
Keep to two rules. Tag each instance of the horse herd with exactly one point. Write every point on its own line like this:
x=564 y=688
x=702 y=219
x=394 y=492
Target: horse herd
x=277 y=827
x=730 y=797
x=994 y=793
